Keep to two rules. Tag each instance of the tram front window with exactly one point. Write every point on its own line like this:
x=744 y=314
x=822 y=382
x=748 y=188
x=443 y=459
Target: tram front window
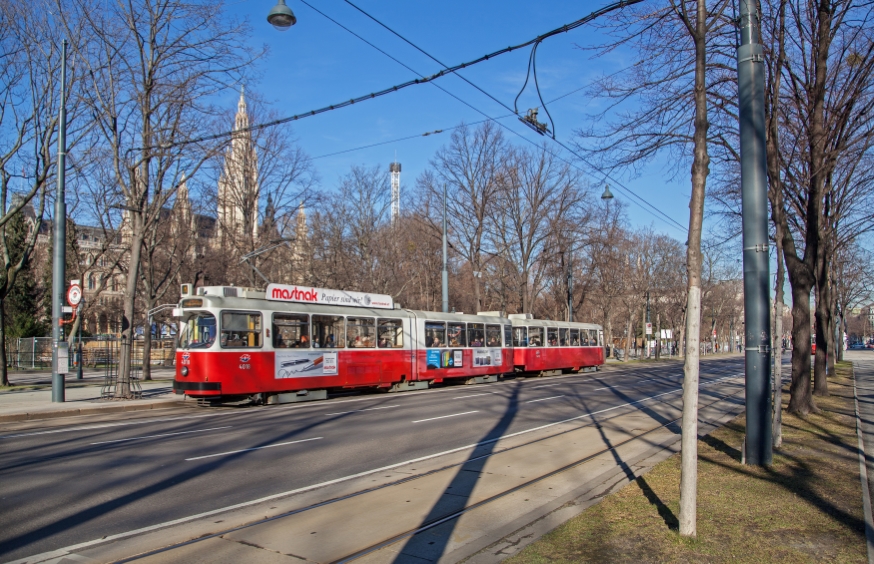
x=198 y=332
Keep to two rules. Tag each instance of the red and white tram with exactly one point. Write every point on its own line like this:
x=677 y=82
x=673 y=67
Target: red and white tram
x=294 y=343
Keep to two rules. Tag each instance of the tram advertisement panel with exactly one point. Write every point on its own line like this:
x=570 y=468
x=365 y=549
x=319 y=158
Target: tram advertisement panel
x=487 y=357
x=445 y=359
x=302 y=364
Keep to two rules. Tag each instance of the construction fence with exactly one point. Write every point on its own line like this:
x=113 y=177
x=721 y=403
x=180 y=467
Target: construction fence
x=96 y=352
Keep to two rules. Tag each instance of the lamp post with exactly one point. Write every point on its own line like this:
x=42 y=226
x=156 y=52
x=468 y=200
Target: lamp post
x=60 y=245
x=445 y=272
x=754 y=184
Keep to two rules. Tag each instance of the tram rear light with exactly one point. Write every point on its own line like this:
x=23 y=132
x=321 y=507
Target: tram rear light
x=184 y=371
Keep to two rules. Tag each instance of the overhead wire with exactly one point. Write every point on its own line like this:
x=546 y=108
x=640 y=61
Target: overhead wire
x=532 y=64
x=421 y=80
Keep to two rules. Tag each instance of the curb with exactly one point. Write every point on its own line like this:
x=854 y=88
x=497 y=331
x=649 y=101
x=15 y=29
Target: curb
x=91 y=410
x=863 y=474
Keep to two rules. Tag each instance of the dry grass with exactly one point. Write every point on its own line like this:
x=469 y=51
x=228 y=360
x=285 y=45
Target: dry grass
x=807 y=507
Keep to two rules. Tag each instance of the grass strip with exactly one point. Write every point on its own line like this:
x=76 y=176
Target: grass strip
x=806 y=507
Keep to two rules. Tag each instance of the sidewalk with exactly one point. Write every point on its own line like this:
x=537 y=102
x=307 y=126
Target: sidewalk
x=89 y=376
x=25 y=405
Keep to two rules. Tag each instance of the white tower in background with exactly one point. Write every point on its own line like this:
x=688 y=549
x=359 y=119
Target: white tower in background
x=395 y=169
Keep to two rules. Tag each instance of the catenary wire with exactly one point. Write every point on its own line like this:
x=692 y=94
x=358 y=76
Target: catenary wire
x=395 y=88
x=652 y=208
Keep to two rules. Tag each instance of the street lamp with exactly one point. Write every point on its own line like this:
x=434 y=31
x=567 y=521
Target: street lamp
x=59 y=226
x=281 y=17
x=607 y=195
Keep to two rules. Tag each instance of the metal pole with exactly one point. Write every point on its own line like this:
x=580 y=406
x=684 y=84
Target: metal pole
x=79 y=357
x=60 y=239
x=754 y=184
x=570 y=293
x=445 y=259
x=648 y=324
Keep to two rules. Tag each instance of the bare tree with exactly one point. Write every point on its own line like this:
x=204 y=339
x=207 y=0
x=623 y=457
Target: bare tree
x=152 y=64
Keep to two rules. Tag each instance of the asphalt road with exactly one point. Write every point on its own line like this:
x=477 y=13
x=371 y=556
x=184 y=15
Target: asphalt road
x=65 y=483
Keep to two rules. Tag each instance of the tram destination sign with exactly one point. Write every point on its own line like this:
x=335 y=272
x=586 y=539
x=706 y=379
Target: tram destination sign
x=309 y=295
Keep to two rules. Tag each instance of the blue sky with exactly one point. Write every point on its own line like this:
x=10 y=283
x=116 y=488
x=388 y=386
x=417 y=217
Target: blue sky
x=317 y=63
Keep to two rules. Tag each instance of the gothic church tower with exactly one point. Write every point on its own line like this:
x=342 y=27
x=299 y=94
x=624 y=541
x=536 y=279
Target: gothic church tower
x=238 y=188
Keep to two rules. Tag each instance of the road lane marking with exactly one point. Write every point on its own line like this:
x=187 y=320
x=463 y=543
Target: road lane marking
x=253 y=448
x=360 y=410
x=162 y=435
x=445 y=416
x=544 y=399
x=127 y=534
x=475 y=395
x=548 y=385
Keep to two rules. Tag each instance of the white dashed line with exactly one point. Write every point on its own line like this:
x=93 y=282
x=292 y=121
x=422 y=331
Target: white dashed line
x=254 y=448
x=445 y=416
x=544 y=399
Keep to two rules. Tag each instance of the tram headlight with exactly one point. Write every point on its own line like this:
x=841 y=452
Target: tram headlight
x=184 y=371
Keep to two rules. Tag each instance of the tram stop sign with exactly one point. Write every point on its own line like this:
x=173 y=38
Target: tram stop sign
x=74 y=295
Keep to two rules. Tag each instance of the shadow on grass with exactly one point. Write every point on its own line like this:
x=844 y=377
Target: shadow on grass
x=664 y=511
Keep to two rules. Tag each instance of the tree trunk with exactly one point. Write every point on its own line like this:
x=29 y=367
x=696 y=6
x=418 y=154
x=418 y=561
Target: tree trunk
x=800 y=390
x=628 y=336
x=700 y=169
x=821 y=315
x=123 y=389
x=4 y=371
x=147 y=348
x=777 y=422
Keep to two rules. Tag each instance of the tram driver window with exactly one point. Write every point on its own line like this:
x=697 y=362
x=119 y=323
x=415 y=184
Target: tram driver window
x=476 y=334
x=457 y=334
x=329 y=331
x=291 y=331
x=535 y=336
x=493 y=335
x=240 y=330
x=520 y=336
x=562 y=337
x=575 y=337
x=552 y=336
x=435 y=334
x=361 y=332
x=391 y=334
x=198 y=332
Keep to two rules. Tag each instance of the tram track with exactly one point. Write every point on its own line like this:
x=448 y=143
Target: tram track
x=456 y=514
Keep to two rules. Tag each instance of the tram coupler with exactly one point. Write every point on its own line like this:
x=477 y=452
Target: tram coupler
x=482 y=379
x=409 y=386
x=295 y=397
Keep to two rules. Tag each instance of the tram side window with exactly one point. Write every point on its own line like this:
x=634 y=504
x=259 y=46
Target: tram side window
x=435 y=334
x=593 y=337
x=584 y=337
x=240 y=330
x=493 y=335
x=361 y=332
x=457 y=334
x=391 y=334
x=520 y=336
x=575 y=337
x=508 y=335
x=552 y=336
x=562 y=337
x=535 y=336
x=291 y=331
x=476 y=334
x=329 y=331
x=198 y=332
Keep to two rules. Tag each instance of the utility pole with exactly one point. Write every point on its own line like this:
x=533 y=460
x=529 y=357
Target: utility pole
x=647 y=326
x=754 y=185
x=59 y=257
x=570 y=293
x=445 y=259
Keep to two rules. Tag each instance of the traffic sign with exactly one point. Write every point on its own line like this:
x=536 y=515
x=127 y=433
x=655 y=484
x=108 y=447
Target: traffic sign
x=649 y=328
x=74 y=295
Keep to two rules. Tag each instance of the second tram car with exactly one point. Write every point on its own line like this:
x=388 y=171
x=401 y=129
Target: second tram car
x=294 y=343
